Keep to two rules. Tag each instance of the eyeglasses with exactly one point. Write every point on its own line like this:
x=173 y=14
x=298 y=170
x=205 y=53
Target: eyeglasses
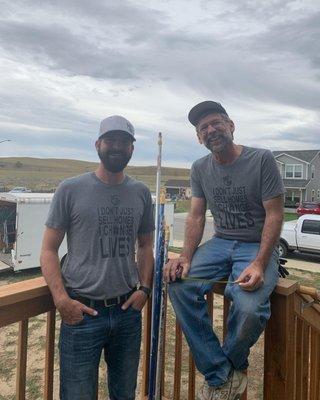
x=214 y=124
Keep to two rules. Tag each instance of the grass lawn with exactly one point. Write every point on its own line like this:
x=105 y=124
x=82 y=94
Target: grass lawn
x=290 y=217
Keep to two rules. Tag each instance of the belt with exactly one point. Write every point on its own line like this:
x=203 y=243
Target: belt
x=114 y=301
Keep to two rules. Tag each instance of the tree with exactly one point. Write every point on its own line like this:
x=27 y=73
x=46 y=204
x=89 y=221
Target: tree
x=18 y=164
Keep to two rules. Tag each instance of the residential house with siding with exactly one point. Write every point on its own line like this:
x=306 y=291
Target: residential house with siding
x=300 y=170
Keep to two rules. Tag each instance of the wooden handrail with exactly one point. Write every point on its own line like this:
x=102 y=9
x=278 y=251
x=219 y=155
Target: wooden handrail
x=310 y=291
x=23 y=291
x=293 y=321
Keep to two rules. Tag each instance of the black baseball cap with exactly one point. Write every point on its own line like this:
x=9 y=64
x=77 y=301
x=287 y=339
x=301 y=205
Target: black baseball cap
x=203 y=108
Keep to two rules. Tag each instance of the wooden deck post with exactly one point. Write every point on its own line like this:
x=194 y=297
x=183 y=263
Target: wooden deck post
x=279 y=355
x=22 y=360
x=49 y=357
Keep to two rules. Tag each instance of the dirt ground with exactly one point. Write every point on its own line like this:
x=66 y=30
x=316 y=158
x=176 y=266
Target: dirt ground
x=36 y=349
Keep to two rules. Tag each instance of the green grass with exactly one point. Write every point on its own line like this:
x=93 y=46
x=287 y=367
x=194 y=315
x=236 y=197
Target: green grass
x=33 y=386
x=7 y=364
x=304 y=277
x=45 y=174
x=175 y=249
x=182 y=206
x=290 y=217
x=12 y=277
x=9 y=397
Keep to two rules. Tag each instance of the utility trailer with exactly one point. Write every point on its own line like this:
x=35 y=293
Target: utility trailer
x=22 y=223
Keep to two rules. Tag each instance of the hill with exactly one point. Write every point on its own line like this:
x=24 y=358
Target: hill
x=44 y=174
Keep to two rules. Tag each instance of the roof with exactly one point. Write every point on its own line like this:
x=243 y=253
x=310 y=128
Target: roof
x=26 y=197
x=178 y=183
x=304 y=155
x=295 y=183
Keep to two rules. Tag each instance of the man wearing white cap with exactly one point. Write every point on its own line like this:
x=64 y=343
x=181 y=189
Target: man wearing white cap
x=243 y=188
x=101 y=288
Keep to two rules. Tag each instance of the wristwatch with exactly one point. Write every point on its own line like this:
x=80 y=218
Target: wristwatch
x=145 y=289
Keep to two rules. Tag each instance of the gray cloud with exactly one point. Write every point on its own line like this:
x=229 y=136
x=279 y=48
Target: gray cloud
x=299 y=37
x=307 y=137
x=57 y=47
x=126 y=57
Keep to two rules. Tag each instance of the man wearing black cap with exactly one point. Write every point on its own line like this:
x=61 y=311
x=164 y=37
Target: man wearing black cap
x=103 y=214
x=244 y=191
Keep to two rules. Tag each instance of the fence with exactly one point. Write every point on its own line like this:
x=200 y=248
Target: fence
x=291 y=351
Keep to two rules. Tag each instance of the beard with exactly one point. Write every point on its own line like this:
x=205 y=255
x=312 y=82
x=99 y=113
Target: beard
x=114 y=161
x=223 y=140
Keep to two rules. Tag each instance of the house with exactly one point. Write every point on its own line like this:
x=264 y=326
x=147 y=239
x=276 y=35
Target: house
x=300 y=170
x=179 y=188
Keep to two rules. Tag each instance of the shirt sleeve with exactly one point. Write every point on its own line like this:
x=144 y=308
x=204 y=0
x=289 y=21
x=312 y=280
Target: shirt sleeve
x=196 y=188
x=272 y=184
x=59 y=212
x=147 y=220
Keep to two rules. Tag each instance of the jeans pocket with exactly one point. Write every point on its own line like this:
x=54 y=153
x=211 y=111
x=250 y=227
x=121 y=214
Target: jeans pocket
x=77 y=323
x=134 y=309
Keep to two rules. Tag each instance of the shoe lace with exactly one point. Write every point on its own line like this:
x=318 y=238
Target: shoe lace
x=215 y=393
x=221 y=393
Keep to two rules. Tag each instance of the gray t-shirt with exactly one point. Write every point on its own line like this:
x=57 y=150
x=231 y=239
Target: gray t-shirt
x=235 y=192
x=102 y=223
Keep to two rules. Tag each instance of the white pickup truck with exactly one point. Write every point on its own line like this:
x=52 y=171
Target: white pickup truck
x=302 y=234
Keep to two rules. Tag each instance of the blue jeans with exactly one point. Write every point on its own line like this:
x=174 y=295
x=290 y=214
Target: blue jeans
x=220 y=259
x=113 y=330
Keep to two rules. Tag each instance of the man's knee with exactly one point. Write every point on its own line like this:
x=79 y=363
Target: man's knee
x=251 y=311
x=175 y=289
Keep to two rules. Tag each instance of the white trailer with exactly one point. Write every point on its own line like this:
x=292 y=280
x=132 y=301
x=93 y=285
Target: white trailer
x=22 y=223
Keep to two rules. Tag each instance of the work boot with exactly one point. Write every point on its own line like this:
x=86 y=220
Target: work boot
x=231 y=390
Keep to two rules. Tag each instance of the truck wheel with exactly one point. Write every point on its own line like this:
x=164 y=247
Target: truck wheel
x=283 y=249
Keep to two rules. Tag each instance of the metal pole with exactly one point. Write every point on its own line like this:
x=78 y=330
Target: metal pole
x=157 y=285
x=158 y=190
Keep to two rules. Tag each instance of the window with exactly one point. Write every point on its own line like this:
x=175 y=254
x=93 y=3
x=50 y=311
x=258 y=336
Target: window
x=318 y=193
x=313 y=194
x=293 y=171
x=313 y=169
x=312 y=227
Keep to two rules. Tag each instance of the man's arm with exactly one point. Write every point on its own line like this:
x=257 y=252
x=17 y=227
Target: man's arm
x=252 y=276
x=145 y=262
x=193 y=234
x=71 y=310
x=145 y=259
x=50 y=263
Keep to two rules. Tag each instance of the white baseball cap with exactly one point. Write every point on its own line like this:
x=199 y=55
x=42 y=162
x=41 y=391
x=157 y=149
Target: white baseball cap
x=116 y=123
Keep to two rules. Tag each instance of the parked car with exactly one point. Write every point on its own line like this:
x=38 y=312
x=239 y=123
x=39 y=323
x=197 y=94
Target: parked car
x=20 y=189
x=302 y=234
x=308 y=207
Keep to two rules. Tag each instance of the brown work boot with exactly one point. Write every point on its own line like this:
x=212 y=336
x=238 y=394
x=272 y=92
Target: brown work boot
x=231 y=390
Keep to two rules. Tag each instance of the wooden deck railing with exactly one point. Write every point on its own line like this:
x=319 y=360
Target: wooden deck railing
x=292 y=344
x=19 y=302
x=291 y=354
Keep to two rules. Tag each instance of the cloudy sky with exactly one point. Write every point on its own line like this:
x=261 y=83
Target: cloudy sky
x=66 y=64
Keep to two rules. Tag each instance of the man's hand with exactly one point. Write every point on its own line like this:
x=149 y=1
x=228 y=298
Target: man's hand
x=72 y=311
x=252 y=277
x=137 y=300
x=178 y=267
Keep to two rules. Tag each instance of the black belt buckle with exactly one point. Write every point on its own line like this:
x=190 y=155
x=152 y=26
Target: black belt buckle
x=112 y=302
